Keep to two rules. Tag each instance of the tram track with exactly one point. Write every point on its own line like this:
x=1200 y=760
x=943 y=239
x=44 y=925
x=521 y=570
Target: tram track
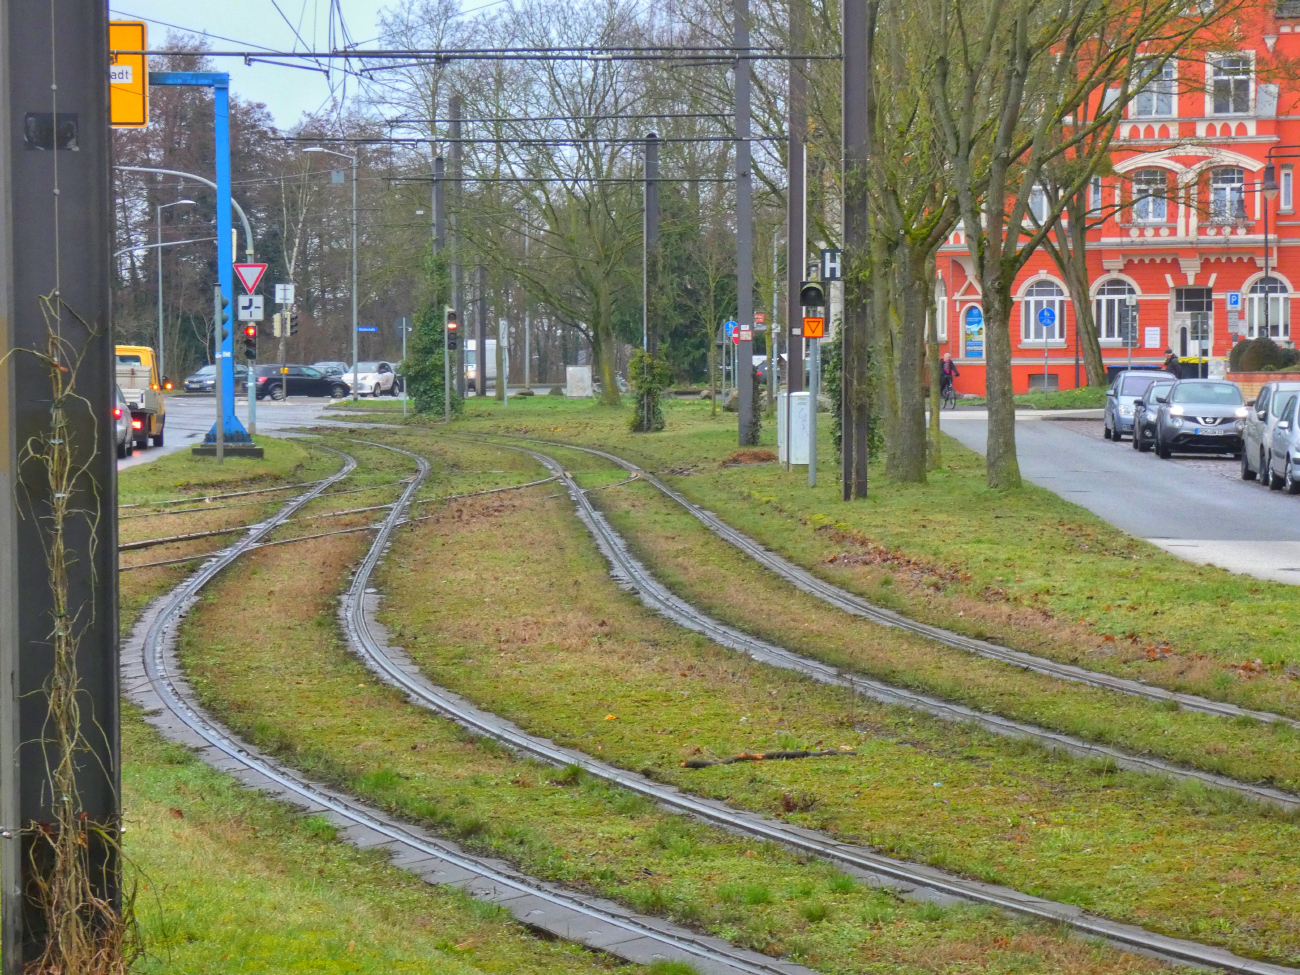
x=151 y=675
x=368 y=639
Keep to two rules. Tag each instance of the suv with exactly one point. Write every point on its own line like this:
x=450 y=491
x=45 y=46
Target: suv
x=1257 y=439
x=1126 y=388
x=1201 y=415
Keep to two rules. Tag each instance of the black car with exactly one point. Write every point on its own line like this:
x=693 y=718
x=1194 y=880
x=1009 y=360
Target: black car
x=1144 y=414
x=279 y=381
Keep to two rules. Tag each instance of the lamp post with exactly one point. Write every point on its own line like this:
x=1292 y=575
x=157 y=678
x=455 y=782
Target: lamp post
x=1270 y=194
x=352 y=159
x=161 y=370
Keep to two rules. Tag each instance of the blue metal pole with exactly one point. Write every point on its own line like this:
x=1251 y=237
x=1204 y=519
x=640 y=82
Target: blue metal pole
x=234 y=430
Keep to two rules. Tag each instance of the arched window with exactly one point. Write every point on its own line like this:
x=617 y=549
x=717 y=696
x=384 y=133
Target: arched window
x=1039 y=297
x=1227 y=194
x=1149 y=196
x=1268 y=299
x=940 y=310
x=1116 y=318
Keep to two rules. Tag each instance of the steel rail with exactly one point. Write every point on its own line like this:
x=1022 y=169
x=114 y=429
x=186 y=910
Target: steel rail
x=369 y=641
x=151 y=672
x=856 y=605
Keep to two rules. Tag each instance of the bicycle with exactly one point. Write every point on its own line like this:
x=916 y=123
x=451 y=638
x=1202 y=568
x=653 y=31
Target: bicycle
x=947 y=395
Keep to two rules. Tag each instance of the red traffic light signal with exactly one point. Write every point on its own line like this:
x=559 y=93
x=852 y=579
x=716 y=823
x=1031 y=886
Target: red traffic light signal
x=250 y=331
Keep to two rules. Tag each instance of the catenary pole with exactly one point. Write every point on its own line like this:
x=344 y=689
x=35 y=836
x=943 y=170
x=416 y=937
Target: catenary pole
x=796 y=200
x=480 y=330
x=457 y=272
x=55 y=234
x=744 y=230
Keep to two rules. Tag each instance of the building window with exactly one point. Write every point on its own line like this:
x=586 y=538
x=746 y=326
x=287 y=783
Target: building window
x=1038 y=297
x=1269 y=299
x=1038 y=205
x=1156 y=99
x=1149 y=203
x=1227 y=195
x=1286 y=188
x=1116 y=318
x=940 y=311
x=1231 y=85
x=1094 y=195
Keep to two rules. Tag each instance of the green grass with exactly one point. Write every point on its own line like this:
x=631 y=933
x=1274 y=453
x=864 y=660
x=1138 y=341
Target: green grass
x=732 y=587
x=1082 y=398
x=475 y=598
x=1025 y=568
x=231 y=882
x=181 y=473
x=291 y=686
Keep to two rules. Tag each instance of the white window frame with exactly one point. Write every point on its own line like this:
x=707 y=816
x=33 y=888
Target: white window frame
x=1094 y=195
x=1247 y=57
x=1149 y=208
x=1279 y=311
x=1286 y=195
x=1109 y=306
x=941 y=314
x=1040 y=213
x=1031 y=333
x=1228 y=213
x=1163 y=88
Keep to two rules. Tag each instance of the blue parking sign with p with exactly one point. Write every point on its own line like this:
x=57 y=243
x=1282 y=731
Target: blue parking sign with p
x=1234 y=301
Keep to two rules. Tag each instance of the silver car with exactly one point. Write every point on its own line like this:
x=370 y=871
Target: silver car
x=122 y=424
x=1283 y=469
x=1145 y=409
x=1260 y=423
x=1126 y=388
x=1201 y=415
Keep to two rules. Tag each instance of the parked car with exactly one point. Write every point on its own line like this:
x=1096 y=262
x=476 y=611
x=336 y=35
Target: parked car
x=204 y=380
x=1282 y=471
x=1145 y=409
x=1261 y=421
x=1201 y=415
x=373 y=378
x=1126 y=388
x=122 y=424
x=332 y=367
x=297 y=381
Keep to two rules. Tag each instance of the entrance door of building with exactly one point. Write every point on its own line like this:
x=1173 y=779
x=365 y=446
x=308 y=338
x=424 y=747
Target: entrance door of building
x=1191 y=330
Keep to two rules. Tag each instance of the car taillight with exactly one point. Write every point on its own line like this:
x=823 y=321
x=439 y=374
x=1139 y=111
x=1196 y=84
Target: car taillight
x=117 y=413
x=262 y=379
x=137 y=424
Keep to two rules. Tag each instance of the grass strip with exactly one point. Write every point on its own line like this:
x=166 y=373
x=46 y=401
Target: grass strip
x=293 y=688
x=568 y=655
x=719 y=579
x=1025 y=568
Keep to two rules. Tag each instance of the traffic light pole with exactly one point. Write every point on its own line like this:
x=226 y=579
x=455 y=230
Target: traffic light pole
x=219 y=427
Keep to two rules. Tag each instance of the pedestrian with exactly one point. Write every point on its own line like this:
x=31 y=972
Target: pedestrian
x=1172 y=365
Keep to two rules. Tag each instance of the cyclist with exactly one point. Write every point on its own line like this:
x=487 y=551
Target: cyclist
x=947 y=372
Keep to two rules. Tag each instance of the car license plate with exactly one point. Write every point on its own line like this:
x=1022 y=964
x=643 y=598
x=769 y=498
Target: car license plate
x=1208 y=431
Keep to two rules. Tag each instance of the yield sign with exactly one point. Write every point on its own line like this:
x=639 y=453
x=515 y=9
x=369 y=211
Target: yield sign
x=250 y=275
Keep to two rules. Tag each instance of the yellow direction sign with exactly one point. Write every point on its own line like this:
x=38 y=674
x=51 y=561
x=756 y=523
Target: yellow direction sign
x=128 y=75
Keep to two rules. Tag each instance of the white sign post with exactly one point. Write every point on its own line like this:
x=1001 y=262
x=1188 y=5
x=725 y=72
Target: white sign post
x=503 y=343
x=1046 y=318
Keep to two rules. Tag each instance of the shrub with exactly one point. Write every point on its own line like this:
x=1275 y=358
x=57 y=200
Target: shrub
x=649 y=378
x=1261 y=355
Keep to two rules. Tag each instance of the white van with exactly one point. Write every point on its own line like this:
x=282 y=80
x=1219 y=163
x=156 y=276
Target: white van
x=471 y=360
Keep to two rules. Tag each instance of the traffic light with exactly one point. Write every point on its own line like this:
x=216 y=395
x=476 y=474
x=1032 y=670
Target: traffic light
x=250 y=341
x=812 y=294
x=277 y=324
x=293 y=323
x=223 y=315
x=453 y=329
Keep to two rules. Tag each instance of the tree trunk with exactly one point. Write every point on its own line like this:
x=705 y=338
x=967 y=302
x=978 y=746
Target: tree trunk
x=603 y=349
x=1003 y=468
x=910 y=304
x=886 y=393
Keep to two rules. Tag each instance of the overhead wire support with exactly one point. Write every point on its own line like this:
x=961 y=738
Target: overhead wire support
x=416 y=55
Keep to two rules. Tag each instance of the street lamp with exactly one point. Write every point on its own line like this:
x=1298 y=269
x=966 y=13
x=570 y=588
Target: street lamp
x=352 y=159
x=1270 y=194
x=161 y=370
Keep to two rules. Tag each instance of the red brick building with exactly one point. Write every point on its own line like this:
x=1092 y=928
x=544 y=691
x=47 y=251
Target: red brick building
x=1183 y=267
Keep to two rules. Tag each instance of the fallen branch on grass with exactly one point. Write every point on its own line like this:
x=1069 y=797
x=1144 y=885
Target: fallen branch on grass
x=779 y=756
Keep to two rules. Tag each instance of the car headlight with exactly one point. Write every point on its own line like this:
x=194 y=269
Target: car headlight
x=1175 y=411
x=1176 y=422
x=1242 y=412
x=1126 y=411
x=1240 y=425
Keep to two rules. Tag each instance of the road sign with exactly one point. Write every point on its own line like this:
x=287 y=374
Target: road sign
x=1046 y=317
x=1234 y=301
x=832 y=262
x=746 y=335
x=248 y=308
x=814 y=327
x=128 y=75
x=730 y=329
x=250 y=275
x=759 y=318
x=367 y=328
x=284 y=294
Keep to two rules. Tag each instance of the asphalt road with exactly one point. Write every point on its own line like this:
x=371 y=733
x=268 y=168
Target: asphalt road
x=189 y=418
x=1196 y=507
